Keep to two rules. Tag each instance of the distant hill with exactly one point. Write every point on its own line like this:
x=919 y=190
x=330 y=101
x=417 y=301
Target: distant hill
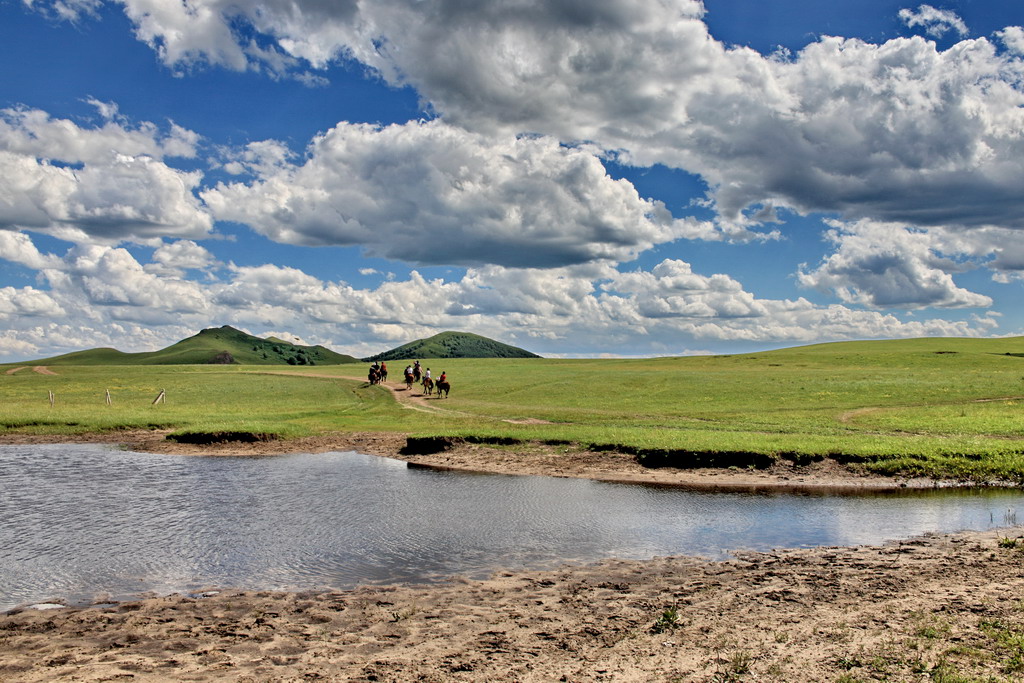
x=452 y=345
x=219 y=345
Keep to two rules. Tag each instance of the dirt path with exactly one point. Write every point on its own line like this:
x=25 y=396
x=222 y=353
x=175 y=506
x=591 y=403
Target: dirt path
x=415 y=399
x=41 y=369
x=412 y=399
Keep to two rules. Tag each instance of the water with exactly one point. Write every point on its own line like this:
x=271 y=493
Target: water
x=84 y=522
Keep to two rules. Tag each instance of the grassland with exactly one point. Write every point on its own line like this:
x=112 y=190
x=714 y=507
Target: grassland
x=934 y=407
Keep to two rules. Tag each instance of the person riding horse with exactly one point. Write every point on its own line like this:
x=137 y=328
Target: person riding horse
x=442 y=384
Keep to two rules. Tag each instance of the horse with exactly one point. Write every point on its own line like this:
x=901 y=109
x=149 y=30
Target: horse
x=442 y=386
x=408 y=381
x=416 y=372
x=373 y=376
x=383 y=374
x=428 y=386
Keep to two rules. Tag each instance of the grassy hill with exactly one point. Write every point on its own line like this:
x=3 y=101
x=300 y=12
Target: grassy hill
x=453 y=345
x=220 y=345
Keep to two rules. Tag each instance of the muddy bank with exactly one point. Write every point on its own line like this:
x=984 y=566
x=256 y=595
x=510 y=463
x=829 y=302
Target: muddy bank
x=520 y=458
x=939 y=605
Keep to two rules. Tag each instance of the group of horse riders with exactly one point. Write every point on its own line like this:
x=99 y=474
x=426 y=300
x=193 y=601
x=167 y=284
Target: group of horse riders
x=413 y=374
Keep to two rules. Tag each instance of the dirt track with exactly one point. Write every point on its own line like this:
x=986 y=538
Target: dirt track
x=41 y=369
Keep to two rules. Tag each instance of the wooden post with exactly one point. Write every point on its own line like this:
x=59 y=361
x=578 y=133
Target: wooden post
x=108 y=397
x=160 y=398
x=51 y=397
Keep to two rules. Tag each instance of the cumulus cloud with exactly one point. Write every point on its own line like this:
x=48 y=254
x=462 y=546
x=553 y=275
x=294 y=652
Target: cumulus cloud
x=112 y=279
x=883 y=265
x=897 y=131
x=1013 y=39
x=919 y=150
x=183 y=255
x=35 y=133
x=107 y=183
x=431 y=193
x=998 y=249
x=672 y=290
x=18 y=247
x=935 y=22
x=27 y=302
x=102 y=295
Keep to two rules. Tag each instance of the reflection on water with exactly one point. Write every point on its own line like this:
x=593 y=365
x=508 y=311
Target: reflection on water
x=82 y=521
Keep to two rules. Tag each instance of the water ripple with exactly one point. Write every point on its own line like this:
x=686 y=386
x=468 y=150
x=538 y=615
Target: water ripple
x=77 y=521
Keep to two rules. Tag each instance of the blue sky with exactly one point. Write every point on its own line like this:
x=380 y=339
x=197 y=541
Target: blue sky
x=623 y=178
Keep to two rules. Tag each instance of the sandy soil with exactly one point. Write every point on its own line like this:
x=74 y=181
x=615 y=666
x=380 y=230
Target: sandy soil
x=902 y=612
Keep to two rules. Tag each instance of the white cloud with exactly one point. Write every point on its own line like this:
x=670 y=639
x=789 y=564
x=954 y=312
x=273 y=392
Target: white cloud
x=66 y=10
x=18 y=247
x=96 y=184
x=897 y=131
x=998 y=249
x=435 y=194
x=183 y=255
x=262 y=157
x=1013 y=39
x=27 y=302
x=672 y=290
x=103 y=296
x=112 y=278
x=34 y=133
x=182 y=33
x=921 y=152
x=935 y=22
x=883 y=265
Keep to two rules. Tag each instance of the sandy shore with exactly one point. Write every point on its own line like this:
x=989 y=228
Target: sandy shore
x=910 y=611
x=916 y=610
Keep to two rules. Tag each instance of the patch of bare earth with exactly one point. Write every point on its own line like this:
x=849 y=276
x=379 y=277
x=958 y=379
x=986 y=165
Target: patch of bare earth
x=525 y=458
x=568 y=461
x=895 y=612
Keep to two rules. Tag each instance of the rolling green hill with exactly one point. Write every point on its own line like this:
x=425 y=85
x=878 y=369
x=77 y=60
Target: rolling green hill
x=219 y=345
x=453 y=345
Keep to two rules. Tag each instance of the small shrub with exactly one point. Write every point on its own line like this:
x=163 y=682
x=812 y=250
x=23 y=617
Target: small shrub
x=668 y=620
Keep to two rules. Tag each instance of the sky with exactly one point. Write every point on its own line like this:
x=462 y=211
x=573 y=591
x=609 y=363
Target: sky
x=581 y=178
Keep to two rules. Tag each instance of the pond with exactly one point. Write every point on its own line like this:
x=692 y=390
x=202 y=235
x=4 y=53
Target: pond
x=80 y=523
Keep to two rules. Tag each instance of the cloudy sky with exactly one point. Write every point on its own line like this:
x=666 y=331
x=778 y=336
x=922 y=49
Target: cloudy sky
x=577 y=177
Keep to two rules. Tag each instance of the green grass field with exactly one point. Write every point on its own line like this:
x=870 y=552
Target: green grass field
x=941 y=407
